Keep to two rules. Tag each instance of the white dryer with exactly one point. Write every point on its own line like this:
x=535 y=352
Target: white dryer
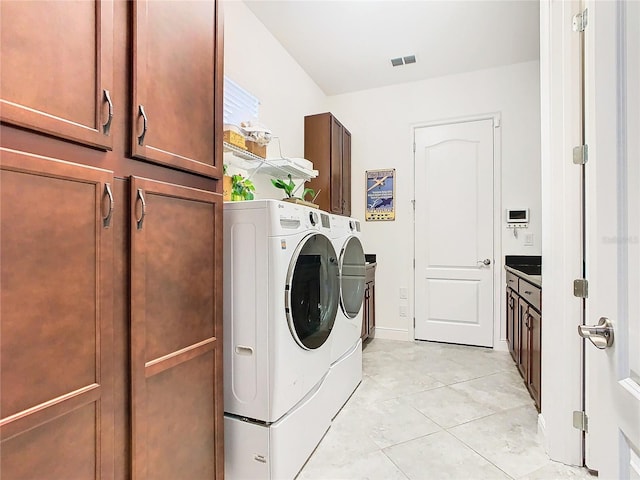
x=281 y=295
x=346 y=347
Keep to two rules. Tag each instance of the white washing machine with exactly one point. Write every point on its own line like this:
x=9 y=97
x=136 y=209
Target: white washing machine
x=345 y=372
x=281 y=296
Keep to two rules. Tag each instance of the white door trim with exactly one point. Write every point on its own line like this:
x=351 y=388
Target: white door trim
x=499 y=277
x=561 y=230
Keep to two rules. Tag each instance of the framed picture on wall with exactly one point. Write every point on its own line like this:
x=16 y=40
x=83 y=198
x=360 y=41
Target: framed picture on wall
x=380 y=196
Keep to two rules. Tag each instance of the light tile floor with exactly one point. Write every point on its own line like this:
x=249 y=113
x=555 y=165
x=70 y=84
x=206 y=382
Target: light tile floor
x=436 y=411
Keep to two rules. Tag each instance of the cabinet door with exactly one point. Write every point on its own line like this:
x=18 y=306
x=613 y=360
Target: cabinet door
x=177 y=92
x=365 y=314
x=535 y=340
x=336 y=166
x=176 y=332
x=511 y=315
x=346 y=172
x=57 y=68
x=524 y=339
x=56 y=348
x=372 y=310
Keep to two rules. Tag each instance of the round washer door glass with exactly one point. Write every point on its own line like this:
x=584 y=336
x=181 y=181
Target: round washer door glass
x=352 y=277
x=312 y=290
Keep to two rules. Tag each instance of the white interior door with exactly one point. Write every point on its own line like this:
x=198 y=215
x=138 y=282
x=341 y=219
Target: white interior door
x=454 y=233
x=612 y=375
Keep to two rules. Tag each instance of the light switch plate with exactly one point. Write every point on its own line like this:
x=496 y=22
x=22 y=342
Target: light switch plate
x=403 y=310
x=528 y=240
x=404 y=292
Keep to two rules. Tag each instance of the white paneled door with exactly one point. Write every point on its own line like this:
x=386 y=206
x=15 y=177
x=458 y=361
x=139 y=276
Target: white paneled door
x=612 y=374
x=454 y=233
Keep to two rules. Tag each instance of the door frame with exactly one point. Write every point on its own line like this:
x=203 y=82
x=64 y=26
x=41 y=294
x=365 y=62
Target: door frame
x=560 y=115
x=499 y=275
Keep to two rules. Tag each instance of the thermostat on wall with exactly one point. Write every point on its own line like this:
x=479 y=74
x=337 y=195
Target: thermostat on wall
x=520 y=215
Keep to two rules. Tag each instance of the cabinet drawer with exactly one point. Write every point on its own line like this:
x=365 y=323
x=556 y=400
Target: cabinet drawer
x=512 y=281
x=530 y=293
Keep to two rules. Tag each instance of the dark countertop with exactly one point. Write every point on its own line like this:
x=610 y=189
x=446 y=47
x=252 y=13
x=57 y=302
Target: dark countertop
x=533 y=279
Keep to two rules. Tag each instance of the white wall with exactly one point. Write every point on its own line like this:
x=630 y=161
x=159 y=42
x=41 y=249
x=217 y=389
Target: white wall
x=380 y=121
x=255 y=60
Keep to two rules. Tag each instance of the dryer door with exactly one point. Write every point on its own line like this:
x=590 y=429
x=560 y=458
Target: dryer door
x=352 y=272
x=312 y=291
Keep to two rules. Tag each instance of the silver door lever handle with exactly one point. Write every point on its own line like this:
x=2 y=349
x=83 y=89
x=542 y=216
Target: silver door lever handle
x=486 y=261
x=601 y=335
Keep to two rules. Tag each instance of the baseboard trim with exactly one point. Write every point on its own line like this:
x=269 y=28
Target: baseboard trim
x=392 y=334
x=542 y=433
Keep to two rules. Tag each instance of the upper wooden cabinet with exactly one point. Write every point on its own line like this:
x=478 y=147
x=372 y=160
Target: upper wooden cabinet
x=57 y=68
x=327 y=143
x=174 y=84
x=56 y=348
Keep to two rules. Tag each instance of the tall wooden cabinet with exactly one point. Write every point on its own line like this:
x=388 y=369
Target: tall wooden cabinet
x=111 y=253
x=327 y=143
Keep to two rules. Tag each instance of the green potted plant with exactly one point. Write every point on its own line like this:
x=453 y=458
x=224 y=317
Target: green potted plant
x=241 y=188
x=289 y=187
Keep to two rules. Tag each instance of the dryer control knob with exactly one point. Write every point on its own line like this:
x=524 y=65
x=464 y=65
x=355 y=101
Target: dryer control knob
x=313 y=218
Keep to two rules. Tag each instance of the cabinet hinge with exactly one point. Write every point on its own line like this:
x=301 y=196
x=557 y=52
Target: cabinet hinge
x=580 y=21
x=580 y=421
x=581 y=288
x=580 y=154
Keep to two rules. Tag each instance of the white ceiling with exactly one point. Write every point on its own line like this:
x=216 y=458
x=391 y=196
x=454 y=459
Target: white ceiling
x=347 y=45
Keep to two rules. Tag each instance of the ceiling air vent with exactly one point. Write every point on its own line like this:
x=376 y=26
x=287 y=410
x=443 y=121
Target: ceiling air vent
x=396 y=62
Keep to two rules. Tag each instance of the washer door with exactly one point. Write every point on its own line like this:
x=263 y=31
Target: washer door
x=352 y=277
x=312 y=291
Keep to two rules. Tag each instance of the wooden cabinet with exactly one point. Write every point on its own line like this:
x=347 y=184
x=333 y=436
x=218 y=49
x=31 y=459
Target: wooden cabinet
x=327 y=143
x=110 y=361
x=534 y=380
x=524 y=331
x=174 y=87
x=369 y=305
x=513 y=332
x=56 y=319
x=176 y=330
x=57 y=68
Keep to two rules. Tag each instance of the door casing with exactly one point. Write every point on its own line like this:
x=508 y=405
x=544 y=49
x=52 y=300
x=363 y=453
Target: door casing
x=499 y=275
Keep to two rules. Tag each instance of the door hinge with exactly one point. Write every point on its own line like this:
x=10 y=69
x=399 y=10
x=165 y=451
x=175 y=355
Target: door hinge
x=580 y=21
x=414 y=147
x=580 y=421
x=581 y=288
x=580 y=154
x=414 y=263
x=413 y=202
x=414 y=323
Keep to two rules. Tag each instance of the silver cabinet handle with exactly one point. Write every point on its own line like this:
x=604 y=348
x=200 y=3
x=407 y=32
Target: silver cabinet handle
x=107 y=126
x=528 y=292
x=486 y=261
x=143 y=212
x=601 y=335
x=145 y=125
x=106 y=221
